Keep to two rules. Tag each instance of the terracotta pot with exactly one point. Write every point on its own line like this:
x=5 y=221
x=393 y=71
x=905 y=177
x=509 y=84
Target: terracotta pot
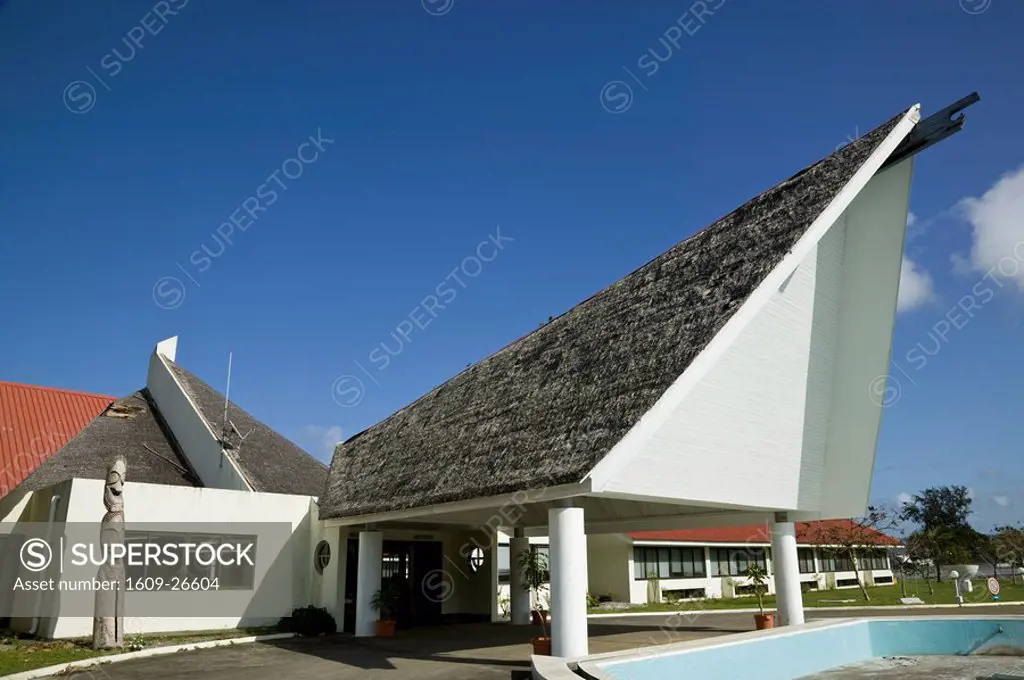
x=764 y=621
x=385 y=628
x=541 y=646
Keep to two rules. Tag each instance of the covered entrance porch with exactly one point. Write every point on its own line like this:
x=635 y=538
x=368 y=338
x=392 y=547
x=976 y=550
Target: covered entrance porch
x=447 y=561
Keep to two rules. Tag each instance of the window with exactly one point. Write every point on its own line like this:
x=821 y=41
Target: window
x=875 y=559
x=504 y=564
x=834 y=562
x=476 y=559
x=240 y=575
x=662 y=563
x=685 y=593
x=734 y=561
x=805 y=556
x=543 y=550
x=321 y=556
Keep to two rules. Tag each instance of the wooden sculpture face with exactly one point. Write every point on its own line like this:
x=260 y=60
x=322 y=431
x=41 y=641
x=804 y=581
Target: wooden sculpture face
x=114 y=487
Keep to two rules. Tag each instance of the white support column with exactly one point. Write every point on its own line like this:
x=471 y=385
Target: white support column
x=519 y=595
x=787 y=572
x=568 y=566
x=371 y=549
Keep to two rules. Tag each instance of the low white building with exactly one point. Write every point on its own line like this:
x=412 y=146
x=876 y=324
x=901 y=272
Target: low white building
x=651 y=566
x=189 y=473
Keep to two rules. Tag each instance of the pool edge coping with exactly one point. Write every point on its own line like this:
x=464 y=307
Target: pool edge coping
x=592 y=664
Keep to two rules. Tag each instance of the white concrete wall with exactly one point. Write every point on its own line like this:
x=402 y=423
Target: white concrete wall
x=198 y=442
x=749 y=422
x=736 y=437
x=174 y=505
x=13 y=505
x=873 y=250
x=609 y=557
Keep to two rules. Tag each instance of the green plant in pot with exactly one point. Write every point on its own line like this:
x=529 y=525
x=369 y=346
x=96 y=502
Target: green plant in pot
x=533 y=565
x=385 y=601
x=758 y=578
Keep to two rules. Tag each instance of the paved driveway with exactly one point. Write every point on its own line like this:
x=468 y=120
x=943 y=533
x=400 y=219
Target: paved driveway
x=459 y=652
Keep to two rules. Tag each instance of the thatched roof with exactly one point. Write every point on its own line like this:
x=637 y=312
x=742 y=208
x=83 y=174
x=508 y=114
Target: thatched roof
x=269 y=462
x=545 y=409
x=130 y=427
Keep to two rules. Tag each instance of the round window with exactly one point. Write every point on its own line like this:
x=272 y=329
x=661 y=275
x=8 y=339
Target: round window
x=476 y=559
x=321 y=556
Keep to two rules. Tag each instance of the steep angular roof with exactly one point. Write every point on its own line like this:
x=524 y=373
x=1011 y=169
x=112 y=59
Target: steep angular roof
x=269 y=462
x=36 y=422
x=547 y=408
x=130 y=427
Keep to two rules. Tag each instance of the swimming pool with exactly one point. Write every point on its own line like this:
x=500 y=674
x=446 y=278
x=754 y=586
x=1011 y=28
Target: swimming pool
x=789 y=653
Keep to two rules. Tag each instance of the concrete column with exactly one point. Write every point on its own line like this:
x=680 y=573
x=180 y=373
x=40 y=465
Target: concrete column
x=568 y=566
x=519 y=595
x=371 y=555
x=787 y=572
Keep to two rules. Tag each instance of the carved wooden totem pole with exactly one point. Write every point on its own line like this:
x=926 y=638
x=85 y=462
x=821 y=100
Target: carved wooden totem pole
x=108 y=622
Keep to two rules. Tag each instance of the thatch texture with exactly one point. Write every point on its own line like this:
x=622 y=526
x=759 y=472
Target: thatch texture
x=130 y=428
x=548 y=407
x=270 y=462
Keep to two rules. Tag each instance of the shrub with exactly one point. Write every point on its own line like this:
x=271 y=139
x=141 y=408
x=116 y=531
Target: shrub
x=592 y=600
x=309 y=622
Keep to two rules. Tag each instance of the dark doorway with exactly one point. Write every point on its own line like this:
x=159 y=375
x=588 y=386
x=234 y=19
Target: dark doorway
x=415 y=569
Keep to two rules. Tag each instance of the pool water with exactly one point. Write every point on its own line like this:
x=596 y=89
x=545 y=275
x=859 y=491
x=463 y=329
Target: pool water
x=788 y=654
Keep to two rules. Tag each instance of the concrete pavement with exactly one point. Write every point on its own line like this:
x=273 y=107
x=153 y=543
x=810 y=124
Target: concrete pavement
x=456 y=652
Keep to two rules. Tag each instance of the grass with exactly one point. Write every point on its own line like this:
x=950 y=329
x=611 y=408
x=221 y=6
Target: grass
x=19 y=654
x=847 y=597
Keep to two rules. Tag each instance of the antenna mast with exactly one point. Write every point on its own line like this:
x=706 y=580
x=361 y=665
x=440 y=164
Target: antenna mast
x=227 y=393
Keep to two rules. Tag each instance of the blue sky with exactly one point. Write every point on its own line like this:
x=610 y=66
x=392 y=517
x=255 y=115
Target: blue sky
x=133 y=131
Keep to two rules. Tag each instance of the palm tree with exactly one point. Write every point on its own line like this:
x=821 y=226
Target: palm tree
x=533 y=565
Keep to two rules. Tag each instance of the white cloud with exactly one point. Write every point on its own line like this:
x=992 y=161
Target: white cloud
x=911 y=219
x=324 y=439
x=916 y=287
x=1002 y=501
x=997 y=221
x=903 y=499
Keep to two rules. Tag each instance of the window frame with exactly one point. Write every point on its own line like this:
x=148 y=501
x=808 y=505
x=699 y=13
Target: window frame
x=668 y=562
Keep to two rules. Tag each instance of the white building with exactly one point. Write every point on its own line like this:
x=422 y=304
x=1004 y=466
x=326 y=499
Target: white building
x=730 y=381
x=711 y=563
x=184 y=470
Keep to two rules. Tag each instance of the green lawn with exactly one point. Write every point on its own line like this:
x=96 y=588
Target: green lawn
x=847 y=597
x=23 y=654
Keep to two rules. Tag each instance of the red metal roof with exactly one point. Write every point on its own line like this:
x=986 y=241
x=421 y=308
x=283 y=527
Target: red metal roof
x=36 y=422
x=807 y=533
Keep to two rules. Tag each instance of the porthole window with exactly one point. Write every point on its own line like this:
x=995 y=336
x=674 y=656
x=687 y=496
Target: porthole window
x=321 y=556
x=476 y=559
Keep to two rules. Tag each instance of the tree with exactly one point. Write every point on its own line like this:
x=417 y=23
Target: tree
x=921 y=551
x=1008 y=545
x=942 y=514
x=848 y=538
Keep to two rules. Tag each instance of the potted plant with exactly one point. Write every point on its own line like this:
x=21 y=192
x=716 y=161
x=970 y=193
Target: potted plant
x=385 y=601
x=533 y=565
x=758 y=578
